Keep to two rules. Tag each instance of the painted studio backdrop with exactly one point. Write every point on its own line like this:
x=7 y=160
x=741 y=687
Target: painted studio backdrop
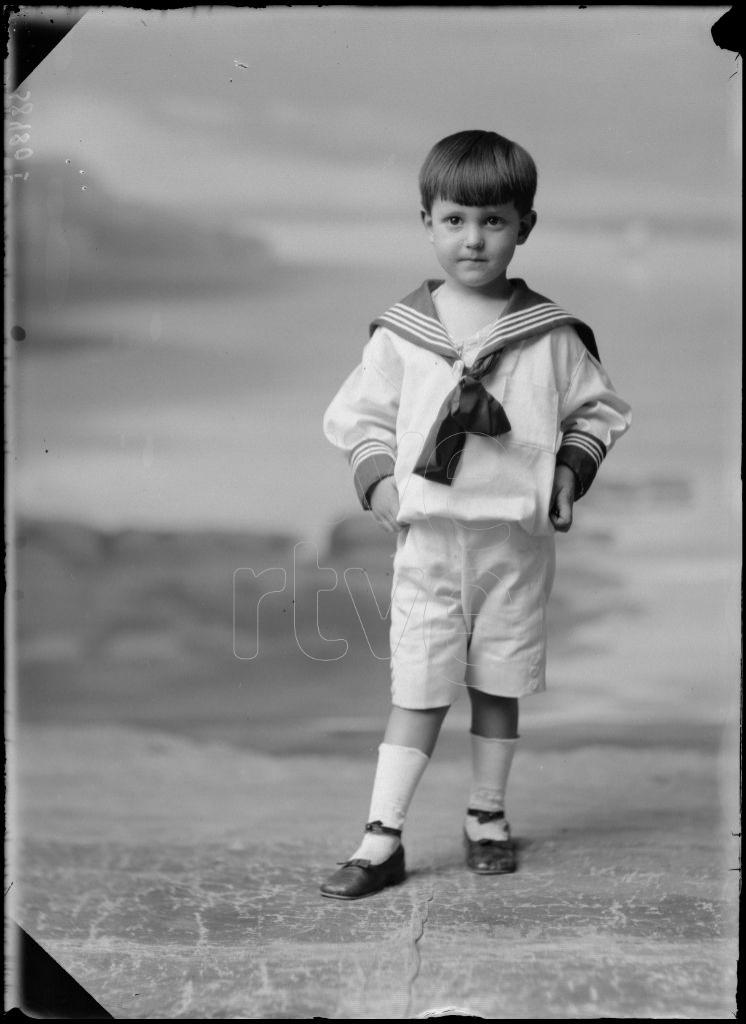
x=216 y=205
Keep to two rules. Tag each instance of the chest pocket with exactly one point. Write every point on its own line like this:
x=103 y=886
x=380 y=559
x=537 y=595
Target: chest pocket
x=533 y=412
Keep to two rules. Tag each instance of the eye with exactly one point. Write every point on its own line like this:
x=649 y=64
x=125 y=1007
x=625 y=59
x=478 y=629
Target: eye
x=495 y=222
x=454 y=220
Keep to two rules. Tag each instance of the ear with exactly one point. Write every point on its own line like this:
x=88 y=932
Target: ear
x=427 y=220
x=526 y=226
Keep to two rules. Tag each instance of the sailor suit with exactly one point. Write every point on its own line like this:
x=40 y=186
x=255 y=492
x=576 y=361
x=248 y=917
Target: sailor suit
x=473 y=452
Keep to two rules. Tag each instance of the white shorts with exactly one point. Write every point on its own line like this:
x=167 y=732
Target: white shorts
x=468 y=608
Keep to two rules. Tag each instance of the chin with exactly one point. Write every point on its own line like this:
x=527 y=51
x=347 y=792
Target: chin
x=475 y=278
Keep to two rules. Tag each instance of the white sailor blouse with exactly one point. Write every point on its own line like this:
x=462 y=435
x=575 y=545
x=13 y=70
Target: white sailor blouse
x=477 y=443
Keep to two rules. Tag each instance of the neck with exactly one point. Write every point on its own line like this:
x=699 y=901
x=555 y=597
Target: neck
x=496 y=291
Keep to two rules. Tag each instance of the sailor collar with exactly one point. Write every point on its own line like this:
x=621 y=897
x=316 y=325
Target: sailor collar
x=526 y=315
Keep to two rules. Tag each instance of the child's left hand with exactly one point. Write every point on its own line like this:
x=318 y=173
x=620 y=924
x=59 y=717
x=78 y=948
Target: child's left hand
x=563 y=496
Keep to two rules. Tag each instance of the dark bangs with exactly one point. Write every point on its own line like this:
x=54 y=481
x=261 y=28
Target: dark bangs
x=477 y=168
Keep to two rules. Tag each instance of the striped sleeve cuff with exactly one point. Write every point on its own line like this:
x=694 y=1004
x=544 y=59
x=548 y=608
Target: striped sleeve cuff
x=371 y=461
x=583 y=453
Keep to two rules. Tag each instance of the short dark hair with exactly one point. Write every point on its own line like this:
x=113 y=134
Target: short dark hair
x=476 y=168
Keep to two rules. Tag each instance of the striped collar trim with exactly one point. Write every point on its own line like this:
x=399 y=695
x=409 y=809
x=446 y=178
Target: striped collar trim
x=526 y=314
x=416 y=319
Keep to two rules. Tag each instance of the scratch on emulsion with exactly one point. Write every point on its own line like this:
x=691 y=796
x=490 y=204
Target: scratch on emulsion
x=201 y=931
x=416 y=931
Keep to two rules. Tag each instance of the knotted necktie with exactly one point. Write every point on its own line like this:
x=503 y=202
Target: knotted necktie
x=470 y=408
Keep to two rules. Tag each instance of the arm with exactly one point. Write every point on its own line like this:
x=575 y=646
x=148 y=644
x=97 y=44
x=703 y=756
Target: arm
x=594 y=417
x=361 y=419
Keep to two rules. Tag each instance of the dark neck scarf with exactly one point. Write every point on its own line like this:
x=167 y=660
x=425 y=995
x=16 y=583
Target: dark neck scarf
x=470 y=408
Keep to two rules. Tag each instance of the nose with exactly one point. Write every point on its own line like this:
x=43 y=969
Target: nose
x=474 y=238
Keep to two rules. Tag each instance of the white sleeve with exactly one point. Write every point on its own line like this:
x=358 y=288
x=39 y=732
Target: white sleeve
x=594 y=417
x=361 y=419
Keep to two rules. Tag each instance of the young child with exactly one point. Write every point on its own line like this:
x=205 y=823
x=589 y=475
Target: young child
x=478 y=415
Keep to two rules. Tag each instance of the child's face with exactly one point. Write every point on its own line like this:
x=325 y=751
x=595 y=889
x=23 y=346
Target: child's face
x=475 y=244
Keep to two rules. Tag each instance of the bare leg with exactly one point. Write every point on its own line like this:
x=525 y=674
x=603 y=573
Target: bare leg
x=493 y=717
x=414 y=728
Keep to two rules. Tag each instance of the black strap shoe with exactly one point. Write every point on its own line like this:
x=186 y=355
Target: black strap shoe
x=490 y=856
x=358 y=877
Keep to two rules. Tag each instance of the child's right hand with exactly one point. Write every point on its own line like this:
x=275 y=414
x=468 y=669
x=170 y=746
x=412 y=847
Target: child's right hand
x=384 y=504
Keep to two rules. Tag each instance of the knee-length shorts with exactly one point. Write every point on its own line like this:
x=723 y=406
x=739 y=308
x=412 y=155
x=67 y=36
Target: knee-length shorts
x=468 y=608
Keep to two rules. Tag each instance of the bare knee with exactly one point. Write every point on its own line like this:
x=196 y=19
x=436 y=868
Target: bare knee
x=415 y=727
x=493 y=716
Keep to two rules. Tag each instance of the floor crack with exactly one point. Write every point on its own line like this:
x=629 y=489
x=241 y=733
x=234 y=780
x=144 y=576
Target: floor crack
x=420 y=913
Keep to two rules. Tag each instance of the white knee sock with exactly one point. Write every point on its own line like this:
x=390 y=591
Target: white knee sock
x=397 y=775
x=491 y=761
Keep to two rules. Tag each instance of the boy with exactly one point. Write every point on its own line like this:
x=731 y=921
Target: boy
x=479 y=414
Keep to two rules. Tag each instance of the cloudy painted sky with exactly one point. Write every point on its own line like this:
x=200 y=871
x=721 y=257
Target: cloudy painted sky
x=307 y=117
x=156 y=133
